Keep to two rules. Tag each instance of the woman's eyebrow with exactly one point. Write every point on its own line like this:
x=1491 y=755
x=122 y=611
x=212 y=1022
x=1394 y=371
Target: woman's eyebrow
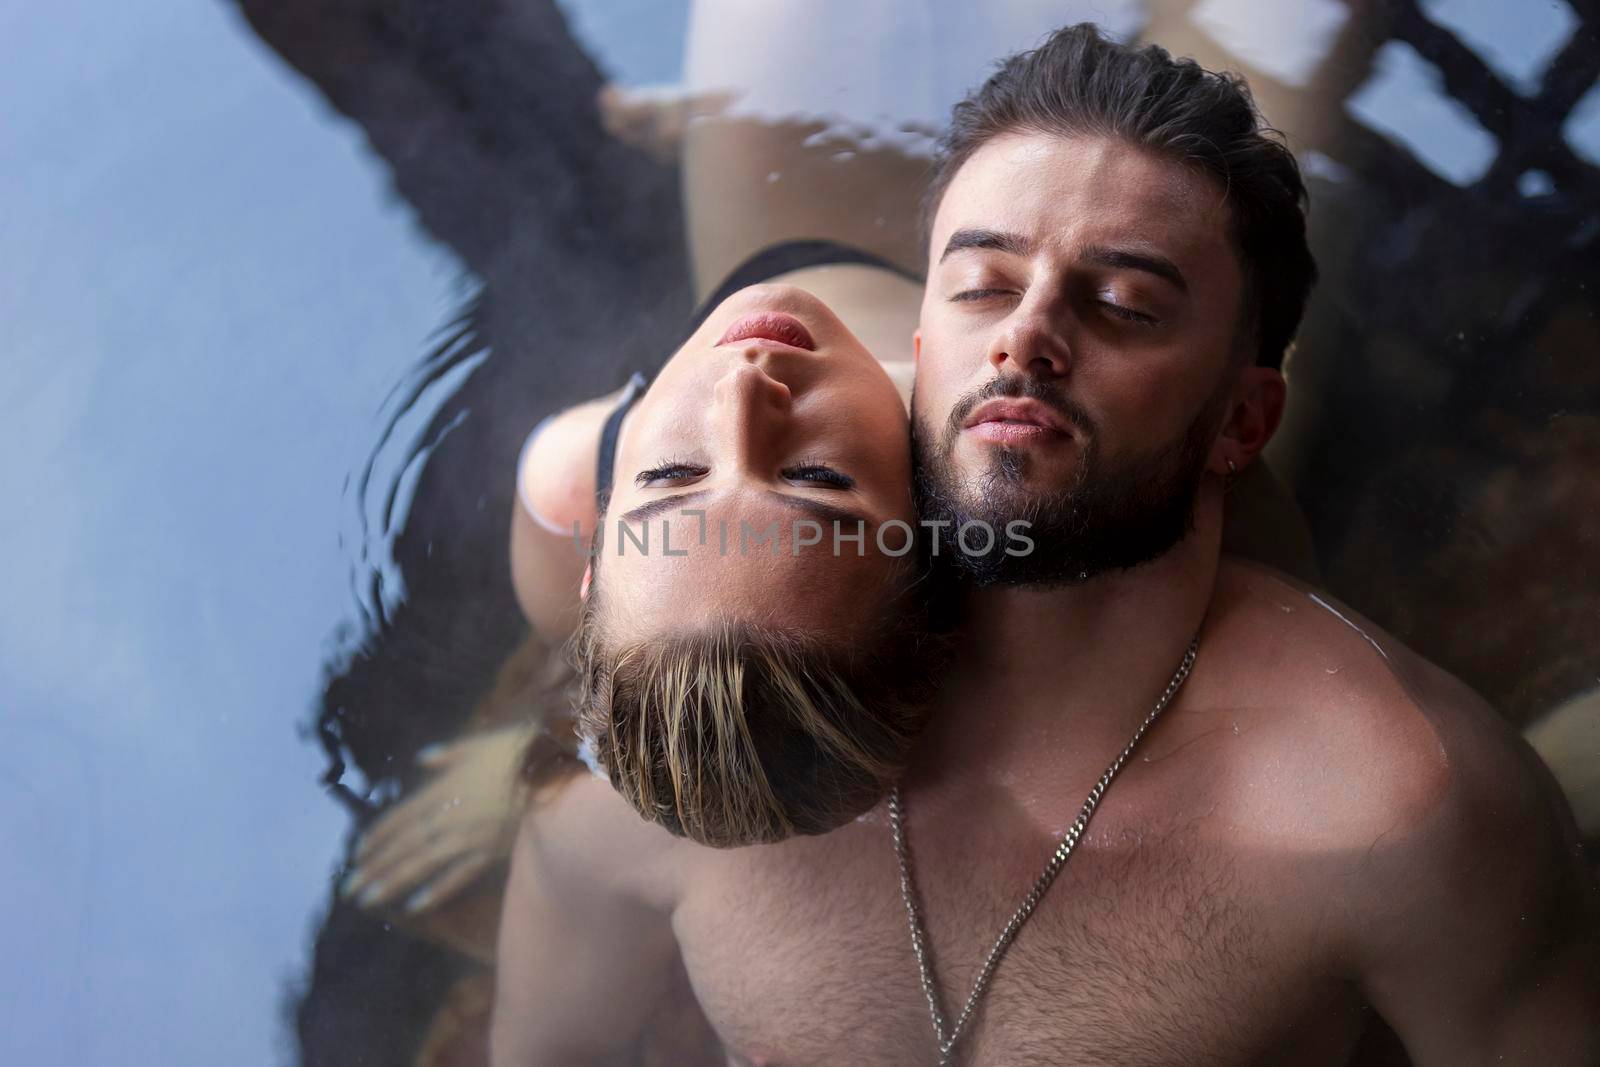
x=651 y=508
x=817 y=509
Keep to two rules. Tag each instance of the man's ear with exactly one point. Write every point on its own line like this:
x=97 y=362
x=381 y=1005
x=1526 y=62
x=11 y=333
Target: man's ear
x=916 y=345
x=588 y=577
x=1254 y=411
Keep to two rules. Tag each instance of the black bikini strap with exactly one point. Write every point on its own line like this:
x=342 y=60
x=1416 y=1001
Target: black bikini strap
x=778 y=259
x=608 y=437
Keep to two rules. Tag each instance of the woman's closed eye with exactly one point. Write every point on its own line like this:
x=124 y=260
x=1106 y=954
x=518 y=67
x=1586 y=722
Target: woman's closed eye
x=819 y=474
x=676 y=473
x=670 y=473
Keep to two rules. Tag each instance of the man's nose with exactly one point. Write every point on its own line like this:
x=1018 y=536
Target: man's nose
x=754 y=408
x=1031 y=339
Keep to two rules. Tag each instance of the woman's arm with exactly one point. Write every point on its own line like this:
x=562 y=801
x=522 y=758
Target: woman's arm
x=586 y=954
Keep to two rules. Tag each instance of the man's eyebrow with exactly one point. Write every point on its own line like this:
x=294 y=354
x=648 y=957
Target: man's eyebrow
x=651 y=508
x=994 y=240
x=816 y=509
x=1128 y=259
x=1018 y=245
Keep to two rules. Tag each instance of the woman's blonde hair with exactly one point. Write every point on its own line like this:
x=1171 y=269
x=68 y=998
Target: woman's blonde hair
x=736 y=734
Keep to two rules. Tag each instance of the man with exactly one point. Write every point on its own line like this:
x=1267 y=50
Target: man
x=1302 y=822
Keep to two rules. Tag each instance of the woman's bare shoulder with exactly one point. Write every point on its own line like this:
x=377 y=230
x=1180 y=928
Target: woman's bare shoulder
x=556 y=473
x=587 y=838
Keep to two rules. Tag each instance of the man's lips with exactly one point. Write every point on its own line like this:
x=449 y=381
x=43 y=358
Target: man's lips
x=770 y=326
x=1016 y=422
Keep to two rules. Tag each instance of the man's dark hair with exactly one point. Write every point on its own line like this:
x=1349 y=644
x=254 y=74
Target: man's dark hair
x=1079 y=83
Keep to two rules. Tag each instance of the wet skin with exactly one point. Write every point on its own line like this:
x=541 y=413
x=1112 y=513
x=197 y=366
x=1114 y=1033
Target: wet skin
x=1348 y=828
x=1321 y=825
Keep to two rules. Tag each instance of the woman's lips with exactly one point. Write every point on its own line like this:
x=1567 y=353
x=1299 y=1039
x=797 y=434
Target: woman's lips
x=770 y=326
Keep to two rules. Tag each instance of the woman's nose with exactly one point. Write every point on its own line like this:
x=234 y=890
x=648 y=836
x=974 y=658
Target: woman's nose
x=747 y=391
x=754 y=409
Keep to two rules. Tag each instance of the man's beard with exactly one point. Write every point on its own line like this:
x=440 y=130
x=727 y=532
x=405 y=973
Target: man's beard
x=1110 y=516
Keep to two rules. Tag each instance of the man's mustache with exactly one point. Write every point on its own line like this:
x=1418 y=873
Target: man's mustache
x=1021 y=387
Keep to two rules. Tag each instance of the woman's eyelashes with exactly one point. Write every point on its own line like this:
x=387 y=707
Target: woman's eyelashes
x=672 y=473
x=818 y=474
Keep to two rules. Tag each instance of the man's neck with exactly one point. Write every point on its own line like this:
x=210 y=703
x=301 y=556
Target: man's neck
x=1044 y=680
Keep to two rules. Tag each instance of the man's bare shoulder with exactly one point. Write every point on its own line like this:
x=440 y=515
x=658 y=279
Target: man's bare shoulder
x=1392 y=777
x=1340 y=730
x=1346 y=736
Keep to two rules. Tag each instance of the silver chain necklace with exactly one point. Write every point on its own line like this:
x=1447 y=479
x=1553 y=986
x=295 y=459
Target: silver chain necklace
x=919 y=939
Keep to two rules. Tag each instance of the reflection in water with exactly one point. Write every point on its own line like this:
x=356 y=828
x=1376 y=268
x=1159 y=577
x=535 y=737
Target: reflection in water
x=1287 y=41
x=1582 y=128
x=51 y=810
x=576 y=243
x=1405 y=99
x=407 y=438
x=1441 y=443
x=1517 y=40
x=206 y=293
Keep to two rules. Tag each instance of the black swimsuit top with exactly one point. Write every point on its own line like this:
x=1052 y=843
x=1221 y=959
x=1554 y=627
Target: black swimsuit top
x=770 y=262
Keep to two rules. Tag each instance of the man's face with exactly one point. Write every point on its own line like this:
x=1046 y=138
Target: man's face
x=1082 y=310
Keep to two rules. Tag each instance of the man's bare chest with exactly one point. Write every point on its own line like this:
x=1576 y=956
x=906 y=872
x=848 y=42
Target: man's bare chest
x=1147 y=950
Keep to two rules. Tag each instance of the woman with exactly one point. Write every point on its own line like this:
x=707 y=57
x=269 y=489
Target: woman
x=456 y=829
x=751 y=639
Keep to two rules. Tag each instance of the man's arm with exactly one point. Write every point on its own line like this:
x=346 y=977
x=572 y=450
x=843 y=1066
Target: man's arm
x=586 y=951
x=1484 y=942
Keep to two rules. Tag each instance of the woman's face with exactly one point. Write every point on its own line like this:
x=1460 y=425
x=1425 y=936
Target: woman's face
x=770 y=429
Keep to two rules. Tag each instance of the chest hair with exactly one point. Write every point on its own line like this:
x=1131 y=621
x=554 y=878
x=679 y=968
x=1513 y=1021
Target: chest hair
x=1150 y=948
